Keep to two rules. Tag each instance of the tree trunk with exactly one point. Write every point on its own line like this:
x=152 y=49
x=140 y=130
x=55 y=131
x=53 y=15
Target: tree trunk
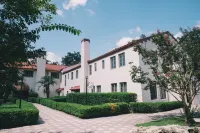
x=189 y=120
x=47 y=91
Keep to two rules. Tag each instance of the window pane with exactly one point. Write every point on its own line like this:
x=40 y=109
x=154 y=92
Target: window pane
x=122 y=59
x=55 y=75
x=76 y=73
x=28 y=73
x=113 y=62
x=153 y=91
x=162 y=94
x=90 y=69
x=95 y=66
x=71 y=75
x=65 y=80
x=103 y=64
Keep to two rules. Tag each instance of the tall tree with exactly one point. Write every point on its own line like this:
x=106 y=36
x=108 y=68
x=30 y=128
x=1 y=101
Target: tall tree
x=21 y=21
x=46 y=82
x=71 y=58
x=174 y=65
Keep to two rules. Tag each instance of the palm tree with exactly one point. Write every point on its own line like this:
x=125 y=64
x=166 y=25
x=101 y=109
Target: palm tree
x=46 y=81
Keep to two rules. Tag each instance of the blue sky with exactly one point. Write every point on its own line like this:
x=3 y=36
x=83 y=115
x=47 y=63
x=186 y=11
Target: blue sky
x=112 y=23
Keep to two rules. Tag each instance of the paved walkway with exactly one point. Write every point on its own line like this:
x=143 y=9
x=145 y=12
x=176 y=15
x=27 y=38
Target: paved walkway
x=53 y=121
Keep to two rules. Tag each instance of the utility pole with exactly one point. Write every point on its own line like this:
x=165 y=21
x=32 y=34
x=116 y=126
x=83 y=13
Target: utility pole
x=86 y=78
x=20 y=100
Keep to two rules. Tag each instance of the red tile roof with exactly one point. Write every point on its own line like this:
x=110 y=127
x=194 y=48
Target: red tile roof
x=71 y=68
x=116 y=50
x=75 y=88
x=130 y=44
x=49 y=67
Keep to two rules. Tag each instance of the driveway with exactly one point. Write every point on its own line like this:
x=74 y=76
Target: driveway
x=53 y=121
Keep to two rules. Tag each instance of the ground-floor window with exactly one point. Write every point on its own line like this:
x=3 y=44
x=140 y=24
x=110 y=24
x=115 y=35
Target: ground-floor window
x=114 y=87
x=162 y=94
x=123 y=87
x=98 y=88
x=93 y=89
x=153 y=91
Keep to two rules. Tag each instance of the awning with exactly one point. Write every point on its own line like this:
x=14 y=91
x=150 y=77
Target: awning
x=75 y=88
x=60 y=89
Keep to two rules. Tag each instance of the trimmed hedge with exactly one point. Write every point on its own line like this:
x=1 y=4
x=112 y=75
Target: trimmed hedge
x=11 y=116
x=33 y=94
x=101 y=98
x=150 y=107
x=86 y=111
x=34 y=99
x=59 y=98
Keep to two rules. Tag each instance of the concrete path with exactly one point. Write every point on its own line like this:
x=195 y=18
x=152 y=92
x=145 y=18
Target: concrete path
x=53 y=121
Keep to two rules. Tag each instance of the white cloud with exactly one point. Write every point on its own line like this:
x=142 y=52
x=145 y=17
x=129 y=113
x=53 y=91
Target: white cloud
x=179 y=34
x=138 y=29
x=131 y=31
x=197 y=24
x=91 y=12
x=136 y=38
x=123 y=41
x=59 y=12
x=74 y=3
x=53 y=57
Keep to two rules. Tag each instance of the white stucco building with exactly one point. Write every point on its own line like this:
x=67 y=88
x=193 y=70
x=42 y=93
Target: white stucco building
x=33 y=73
x=110 y=72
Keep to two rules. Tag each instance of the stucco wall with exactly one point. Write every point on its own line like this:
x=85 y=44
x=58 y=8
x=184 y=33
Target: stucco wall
x=31 y=81
x=70 y=83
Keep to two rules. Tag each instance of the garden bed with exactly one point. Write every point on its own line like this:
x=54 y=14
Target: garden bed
x=11 y=116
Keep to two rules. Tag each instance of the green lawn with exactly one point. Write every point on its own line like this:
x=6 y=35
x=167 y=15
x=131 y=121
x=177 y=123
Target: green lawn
x=166 y=121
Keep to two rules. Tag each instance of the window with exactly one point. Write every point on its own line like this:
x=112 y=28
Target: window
x=68 y=75
x=93 y=89
x=114 y=87
x=153 y=91
x=71 y=75
x=122 y=59
x=99 y=88
x=76 y=73
x=65 y=80
x=103 y=64
x=55 y=75
x=123 y=87
x=95 y=66
x=90 y=69
x=28 y=73
x=113 y=62
x=162 y=94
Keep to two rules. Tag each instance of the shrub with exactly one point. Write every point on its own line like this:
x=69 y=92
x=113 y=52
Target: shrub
x=59 y=98
x=86 y=111
x=101 y=98
x=34 y=99
x=33 y=94
x=12 y=116
x=150 y=107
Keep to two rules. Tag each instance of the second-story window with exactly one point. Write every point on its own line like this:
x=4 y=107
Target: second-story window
x=76 y=74
x=122 y=59
x=103 y=64
x=65 y=80
x=90 y=69
x=95 y=66
x=28 y=73
x=55 y=75
x=72 y=75
x=113 y=62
